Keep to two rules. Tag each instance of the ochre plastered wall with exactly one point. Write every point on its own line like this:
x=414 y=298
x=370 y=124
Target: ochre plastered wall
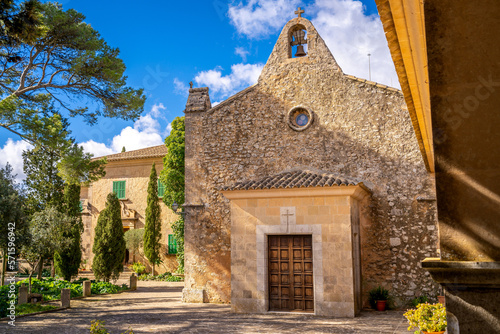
x=136 y=174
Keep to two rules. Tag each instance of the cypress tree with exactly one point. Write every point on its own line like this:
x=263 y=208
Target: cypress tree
x=152 y=228
x=67 y=261
x=109 y=244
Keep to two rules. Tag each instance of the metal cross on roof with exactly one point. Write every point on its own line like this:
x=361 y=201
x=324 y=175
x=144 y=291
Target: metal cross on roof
x=299 y=11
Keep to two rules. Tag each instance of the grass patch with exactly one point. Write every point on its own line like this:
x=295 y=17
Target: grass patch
x=32 y=308
x=165 y=277
x=50 y=288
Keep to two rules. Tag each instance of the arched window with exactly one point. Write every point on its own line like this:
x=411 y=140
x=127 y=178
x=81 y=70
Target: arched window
x=298 y=41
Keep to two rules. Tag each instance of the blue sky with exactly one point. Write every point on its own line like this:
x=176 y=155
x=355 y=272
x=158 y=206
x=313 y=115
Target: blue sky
x=220 y=44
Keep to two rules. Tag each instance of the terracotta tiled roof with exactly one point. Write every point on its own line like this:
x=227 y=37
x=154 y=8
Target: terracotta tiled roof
x=296 y=178
x=148 y=152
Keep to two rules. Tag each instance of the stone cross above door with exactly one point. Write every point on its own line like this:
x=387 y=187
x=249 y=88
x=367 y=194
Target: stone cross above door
x=287 y=217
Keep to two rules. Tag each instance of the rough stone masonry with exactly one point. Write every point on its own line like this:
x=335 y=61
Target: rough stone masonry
x=360 y=130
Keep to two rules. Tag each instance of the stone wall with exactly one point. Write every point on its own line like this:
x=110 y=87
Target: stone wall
x=361 y=130
x=324 y=214
x=136 y=174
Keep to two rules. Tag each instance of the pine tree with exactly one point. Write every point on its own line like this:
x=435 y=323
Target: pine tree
x=109 y=244
x=67 y=261
x=152 y=228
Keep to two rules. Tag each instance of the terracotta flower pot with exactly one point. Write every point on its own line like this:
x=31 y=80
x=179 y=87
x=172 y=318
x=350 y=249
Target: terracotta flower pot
x=381 y=305
x=441 y=332
x=441 y=300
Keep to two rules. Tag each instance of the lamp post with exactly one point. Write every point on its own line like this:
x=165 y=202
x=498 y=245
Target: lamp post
x=175 y=206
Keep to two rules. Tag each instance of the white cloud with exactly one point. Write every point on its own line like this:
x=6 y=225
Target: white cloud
x=240 y=51
x=348 y=32
x=12 y=153
x=180 y=88
x=145 y=132
x=350 y=35
x=156 y=110
x=97 y=149
x=241 y=76
x=258 y=18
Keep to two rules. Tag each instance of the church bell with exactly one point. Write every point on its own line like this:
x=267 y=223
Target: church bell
x=300 y=51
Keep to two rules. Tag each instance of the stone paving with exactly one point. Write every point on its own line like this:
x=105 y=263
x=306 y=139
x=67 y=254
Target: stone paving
x=156 y=308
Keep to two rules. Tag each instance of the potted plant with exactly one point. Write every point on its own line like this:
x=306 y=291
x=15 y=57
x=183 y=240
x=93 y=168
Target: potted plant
x=378 y=298
x=427 y=318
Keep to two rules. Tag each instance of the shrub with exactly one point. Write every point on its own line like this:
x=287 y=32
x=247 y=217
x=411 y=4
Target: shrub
x=165 y=277
x=419 y=300
x=99 y=288
x=378 y=293
x=139 y=268
x=427 y=317
x=97 y=327
x=50 y=288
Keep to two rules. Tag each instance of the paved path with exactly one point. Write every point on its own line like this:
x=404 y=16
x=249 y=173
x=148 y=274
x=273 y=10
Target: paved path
x=156 y=308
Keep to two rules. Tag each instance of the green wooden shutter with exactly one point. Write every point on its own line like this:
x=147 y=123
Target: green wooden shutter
x=161 y=189
x=172 y=244
x=119 y=189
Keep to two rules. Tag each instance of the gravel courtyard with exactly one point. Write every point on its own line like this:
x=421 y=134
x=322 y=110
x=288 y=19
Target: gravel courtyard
x=156 y=308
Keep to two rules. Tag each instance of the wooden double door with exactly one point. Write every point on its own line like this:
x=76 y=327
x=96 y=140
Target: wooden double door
x=291 y=273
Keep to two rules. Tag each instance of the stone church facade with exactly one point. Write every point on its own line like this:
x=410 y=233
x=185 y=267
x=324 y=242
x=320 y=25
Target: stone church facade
x=306 y=190
x=130 y=171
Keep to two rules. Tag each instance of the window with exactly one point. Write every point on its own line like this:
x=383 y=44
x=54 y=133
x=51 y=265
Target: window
x=172 y=244
x=119 y=189
x=161 y=189
x=82 y=201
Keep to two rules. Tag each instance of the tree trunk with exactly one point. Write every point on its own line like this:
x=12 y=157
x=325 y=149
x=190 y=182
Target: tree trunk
x=4 y=265
x=40 y=268
x=153 y=269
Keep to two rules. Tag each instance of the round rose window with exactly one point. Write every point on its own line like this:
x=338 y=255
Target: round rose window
x=300 y=118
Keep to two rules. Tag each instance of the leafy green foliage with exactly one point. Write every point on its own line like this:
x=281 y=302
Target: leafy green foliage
x=20 y=23
x=47 y=233
x=134 y=239
x=69 y=59
x=109 y=244
x=50 y=288
x=165 y=277
x=99 y=288
x=178 y=230
x=67 y=260
x=43 y=184
x=172 y=176
x=138 y=268
x=419 y=300
x=78 y=167
x=152 y=228
x=32 y=308
x=11 y=204
x=11 y=216
x=378 y=293
x=47 y=56
x=97 y=327
x=427 y=318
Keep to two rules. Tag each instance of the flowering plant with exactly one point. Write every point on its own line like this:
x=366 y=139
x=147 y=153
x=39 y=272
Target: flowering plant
x=427 y=317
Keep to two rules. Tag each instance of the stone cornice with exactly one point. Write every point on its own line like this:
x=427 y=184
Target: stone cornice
x=357 y=192
x=403 y=22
